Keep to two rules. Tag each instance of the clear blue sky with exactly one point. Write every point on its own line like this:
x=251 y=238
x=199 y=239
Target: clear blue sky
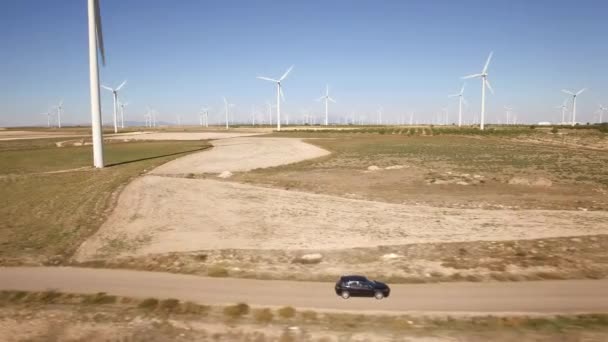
x=403 y=55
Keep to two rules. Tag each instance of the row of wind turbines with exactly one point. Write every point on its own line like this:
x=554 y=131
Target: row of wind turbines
x=96 y=48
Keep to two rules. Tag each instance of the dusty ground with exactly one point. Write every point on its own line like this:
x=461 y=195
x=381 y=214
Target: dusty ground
x=179 y=135
x=51 y=316
x=243 y=154
x=161 y=214
x=187 y=220
x=22 y=135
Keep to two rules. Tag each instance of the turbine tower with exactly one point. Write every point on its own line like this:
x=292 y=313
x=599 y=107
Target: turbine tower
x=484 y=83
x=115 y=96
x=95 y=46
x=122 y=113
x=602 y=110
x=59 y=110
x=279 y=94
x=563 y=107
x=226 y=104
x=327 y=98
x=574 y=96
x=461 y=100
x=508 y=111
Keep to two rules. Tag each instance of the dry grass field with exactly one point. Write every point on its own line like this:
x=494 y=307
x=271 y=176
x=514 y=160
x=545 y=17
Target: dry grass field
x=435 y=208
x=51 y=199
x=46 y=316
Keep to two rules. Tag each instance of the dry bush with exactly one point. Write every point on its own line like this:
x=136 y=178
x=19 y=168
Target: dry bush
x=169 y=305
x=148 y=304
x=287 y=312
x=217 y=271
x=237 y=310
x=263 y=316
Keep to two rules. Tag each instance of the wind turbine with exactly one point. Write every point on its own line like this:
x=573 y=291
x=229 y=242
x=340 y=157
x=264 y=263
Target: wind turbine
x=574 y=96
x=461 y=100
x=226 y=104
x=122 y=113
x=602 y=110
x=48 y=118
x=508 y=113
x=484 y=83
x=115 y=96
x=379 y=118
x=563 y=107
x=327 y=98
x=204 y=116
x=279 y=94
x=59 y=110
x=95 y=45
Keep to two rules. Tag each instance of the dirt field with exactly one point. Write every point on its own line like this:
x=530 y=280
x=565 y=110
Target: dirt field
x=243 y=154
x=23 y=135
x=179 y=135
x=190 y=221
x=161 y=214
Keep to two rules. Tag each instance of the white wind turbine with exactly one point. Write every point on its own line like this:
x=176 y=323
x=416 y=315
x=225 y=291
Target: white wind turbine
x=115 y=97
x=279 y=94
x=327 y=98
x=574 y=96
x=508 y=111
x=379 y=117
x=602 y=110
x=204 y=116
x=563 y=107
x=227 y=105
x=48 y=118
x=122 y=113
x=95 y=46
x=484 y=83
x=461 y=101
x=59 y=111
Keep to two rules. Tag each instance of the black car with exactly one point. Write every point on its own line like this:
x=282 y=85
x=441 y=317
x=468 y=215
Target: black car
x=360 y=286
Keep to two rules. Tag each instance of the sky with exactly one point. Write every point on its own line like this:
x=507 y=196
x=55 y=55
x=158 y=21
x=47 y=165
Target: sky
x=403 y=56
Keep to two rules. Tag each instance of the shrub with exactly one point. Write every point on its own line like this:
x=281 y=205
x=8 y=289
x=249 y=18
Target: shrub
x=263 y=316
x=309 y=315
x=236 y=311
x=217 y=271
x=169 y=305
x=554 y=130
x=287 y=312
x=149 y=304
x=99 y=298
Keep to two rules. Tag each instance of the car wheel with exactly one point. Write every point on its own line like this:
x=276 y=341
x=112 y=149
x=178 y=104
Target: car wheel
x=345 y=294
x=379 y=295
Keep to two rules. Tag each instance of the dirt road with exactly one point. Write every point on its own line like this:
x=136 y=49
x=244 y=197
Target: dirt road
x=567 y=296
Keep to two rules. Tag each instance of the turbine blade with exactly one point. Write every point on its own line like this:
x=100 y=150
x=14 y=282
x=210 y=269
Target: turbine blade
x=267 y=79
x=121 y=85
x=108 y=88
x=286 y=73
x=462 y=89
x=225 y=101
x=489 y=86
x=332 y=100
x=320 y=98
x=99 y=33
x=485 y=67
x=471 y=76
x=581 y=91
x=568 y=92
x=454 y=95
